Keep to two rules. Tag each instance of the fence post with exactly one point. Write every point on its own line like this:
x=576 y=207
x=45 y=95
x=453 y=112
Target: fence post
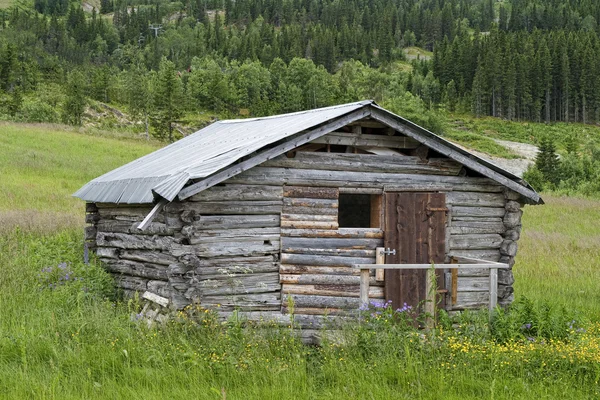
x=364 y=287
x=493 y=289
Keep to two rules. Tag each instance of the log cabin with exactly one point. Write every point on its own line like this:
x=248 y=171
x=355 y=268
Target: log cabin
x=271 y=215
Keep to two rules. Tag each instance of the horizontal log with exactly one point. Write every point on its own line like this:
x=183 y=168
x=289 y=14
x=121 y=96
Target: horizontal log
x=308 y=202
x=214 y=222
x=222 y=249
x=153 y=228
x=309 y=225
x=322 y=279
x=132 y=283
x=460 y=211
x=475 y=227
x=331 y=290
x=244 y=302
x=310 y=210
x=368 y=233
x=135 y=242
x=328 y=261
x=191 y=231
x=242 y=284
x=146 y=256
x=473 y=284
x=475 y=242
x=477 y=219
x=291 y=243
x=107 y=252
x=318 y=269
x=310 y=301
x=309 y=217
x=366 y=163
x=127 y=213
x=513 y=219
x=92 y=218
x=471 y=300
x=317 y=311
x=475 y=199
x=353 y=139
x=133 y=268
x=239 y=192
x=310 y=192
x=200 y=238
x=341 y=179
x=232 y=207
x=330 y=252
x=487 y=254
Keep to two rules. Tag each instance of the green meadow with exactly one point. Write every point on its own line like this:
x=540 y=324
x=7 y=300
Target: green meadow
x=64 y=334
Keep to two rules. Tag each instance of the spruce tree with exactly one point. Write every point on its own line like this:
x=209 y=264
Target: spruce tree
x=547 y=161
x=167 y=100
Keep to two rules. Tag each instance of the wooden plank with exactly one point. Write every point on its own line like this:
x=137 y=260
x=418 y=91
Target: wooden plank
x=240 y=284
x=354 y=233
x=323 y=279
x=475 y=227
x=236 y=221
x=377 y=211
x=340 y=179
x=309 y=225
x=310 y=210
x=328 y=261
x=150 y=217
x=228 y=207
x=239 y=193
x=330 y=252
x=309 y=217
x=366 y=163
x=488 y=254
x=333 y=290
x=476 y=199
x=353 y=139
x=475 y=242
x=460 y=211
x=317 y=269
x=308 y=202
x=223 y=249
x=291 y=243
x=493 y=289
x=364 y=287
x=380 y=259
x=310 y=192
x=471 y=300
x=265 y=155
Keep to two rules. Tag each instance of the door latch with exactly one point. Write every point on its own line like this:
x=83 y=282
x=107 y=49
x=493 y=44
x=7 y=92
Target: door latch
x=389 y=252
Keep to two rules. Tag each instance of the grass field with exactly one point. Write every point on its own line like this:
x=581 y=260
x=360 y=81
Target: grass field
x=73 y=339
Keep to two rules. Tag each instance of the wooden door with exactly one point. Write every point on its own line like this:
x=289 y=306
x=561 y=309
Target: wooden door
x=415 y=226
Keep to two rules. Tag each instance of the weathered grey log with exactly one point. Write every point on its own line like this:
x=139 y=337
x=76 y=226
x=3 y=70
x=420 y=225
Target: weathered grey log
x=337 y=302
x=320 y=279
x=505 y=277
x=487 y=254
x=507 y=260
x=317 y=311
x=164 y=289
x=328 y=261
x=366 y=163
x=461 y=211
x=513 y=219
x=107 y=252
x=341 y=179
x=213 y=222
x=512 y=234
x=330 y=252
x=92 y=218
x=232 y=207
x=153 y=228
x=219 y=266
x=504 y=291
x=509 y=248
x=478 y=219
x=147 y=256
x=353 y=139
x=250 y=283
x=475 y=242
x=90 y=232
x=133 y=268
x=473 y=284
x=291 y=243
x=136 y=242
x=91 y=207
x=512 y=195
x=308 y=202
x=475 y=199
x=230 y=235
x=310 y=192
x=309 y=217
x=475 y=227
x=310 y=210
x=239 y=193
x=471 y=300
x=132 y=283
x=244 y=302
x=222 y=249
x=317 y=269
x=473 y=272
x=331 y=290
x=513 y=206
x=309 y=225
x=357 y=233
x=172 y=220
x=130 y=212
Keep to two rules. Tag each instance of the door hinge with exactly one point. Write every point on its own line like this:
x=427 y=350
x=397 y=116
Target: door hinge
x=388 y=252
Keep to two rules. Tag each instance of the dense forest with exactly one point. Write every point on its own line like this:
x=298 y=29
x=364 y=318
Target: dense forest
x=517 y=59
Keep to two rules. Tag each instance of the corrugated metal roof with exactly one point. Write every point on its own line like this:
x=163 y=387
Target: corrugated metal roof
x=201 y=154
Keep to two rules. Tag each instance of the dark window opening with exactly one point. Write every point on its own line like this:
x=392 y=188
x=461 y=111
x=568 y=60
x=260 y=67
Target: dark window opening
x=354 y=211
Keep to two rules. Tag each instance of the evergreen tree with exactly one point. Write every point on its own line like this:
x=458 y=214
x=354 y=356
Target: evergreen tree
x=167 y=100
x=547 y=161
x=75 y=101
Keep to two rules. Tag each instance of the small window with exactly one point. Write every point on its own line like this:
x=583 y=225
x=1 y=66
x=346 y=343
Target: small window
x=354 y=211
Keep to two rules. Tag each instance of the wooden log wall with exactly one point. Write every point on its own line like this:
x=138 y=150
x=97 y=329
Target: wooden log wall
x=317 y=256
x=268 y=239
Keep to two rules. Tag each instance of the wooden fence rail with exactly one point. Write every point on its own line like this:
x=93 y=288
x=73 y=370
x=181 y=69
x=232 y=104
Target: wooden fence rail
x=456 y=264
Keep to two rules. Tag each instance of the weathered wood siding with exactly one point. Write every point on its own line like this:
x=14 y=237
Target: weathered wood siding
x=268 y=239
